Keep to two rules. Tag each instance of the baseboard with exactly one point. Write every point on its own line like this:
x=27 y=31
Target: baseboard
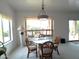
x=74 y=41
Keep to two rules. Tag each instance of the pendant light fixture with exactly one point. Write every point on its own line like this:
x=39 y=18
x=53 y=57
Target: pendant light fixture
x=43 y=14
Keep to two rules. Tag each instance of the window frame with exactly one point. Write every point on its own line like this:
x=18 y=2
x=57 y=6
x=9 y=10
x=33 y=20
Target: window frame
x=9 y=27
x=52 y=25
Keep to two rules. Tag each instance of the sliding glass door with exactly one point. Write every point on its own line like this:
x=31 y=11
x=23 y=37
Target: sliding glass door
x=73 y=30
x=35 y=26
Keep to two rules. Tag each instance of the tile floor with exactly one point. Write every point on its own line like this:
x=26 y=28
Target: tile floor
x=67 y=51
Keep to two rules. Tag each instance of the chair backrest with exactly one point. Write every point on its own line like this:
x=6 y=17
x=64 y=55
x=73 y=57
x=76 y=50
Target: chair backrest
x=57 y=40
x=27 y=42
x=47 y=48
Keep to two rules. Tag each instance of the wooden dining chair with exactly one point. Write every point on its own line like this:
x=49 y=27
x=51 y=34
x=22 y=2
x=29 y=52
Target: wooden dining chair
x=56 y=44
x=46 y=50
x=31 y=47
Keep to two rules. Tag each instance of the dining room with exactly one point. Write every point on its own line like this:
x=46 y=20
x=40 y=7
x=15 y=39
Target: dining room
x=14 y=14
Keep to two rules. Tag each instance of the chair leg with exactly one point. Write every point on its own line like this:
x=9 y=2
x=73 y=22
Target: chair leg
x=57 y=51
x=28 y=55
x=51 y=57
x=40 y=57
x=5 y=56
x=36 y=54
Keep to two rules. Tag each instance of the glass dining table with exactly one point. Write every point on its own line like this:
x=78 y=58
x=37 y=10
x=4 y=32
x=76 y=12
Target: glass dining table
x=39 y=41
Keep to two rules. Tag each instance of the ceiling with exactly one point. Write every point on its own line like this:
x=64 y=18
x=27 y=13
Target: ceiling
x=50 y=5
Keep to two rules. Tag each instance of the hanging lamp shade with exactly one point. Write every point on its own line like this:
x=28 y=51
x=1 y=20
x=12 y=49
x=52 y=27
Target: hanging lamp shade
x=43 y=16
x=42 y=13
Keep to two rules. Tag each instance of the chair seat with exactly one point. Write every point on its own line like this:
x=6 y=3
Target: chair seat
x=2 y=49
x=32 y=47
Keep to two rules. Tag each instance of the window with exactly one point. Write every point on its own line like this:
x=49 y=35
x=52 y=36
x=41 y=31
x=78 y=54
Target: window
x=35 y=26
x=5 y=29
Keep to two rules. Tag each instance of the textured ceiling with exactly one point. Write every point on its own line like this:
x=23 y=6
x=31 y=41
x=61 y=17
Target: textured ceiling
x=50 y=5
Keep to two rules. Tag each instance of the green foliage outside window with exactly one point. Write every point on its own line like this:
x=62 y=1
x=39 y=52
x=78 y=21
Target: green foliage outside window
x=5 y=34
x=77 y=26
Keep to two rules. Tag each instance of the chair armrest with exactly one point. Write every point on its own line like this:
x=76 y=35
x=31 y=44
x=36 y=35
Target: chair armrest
x=2 y=46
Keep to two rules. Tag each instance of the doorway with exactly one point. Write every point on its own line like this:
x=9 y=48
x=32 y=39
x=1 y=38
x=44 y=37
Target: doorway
x=73 y=30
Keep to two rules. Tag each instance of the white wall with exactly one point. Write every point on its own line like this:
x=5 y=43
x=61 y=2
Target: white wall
x=60 y=21
x=5 y=9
